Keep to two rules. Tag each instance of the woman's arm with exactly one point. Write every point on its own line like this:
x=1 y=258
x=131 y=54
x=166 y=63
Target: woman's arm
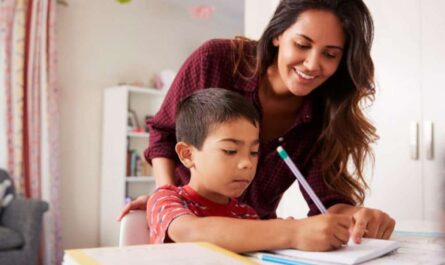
x=163 y=171
x=318 y=233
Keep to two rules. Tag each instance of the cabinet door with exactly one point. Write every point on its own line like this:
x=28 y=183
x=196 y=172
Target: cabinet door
x=433 y=82
x=395 y=185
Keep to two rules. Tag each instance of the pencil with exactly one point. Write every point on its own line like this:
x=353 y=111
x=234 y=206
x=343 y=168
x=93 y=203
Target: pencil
x=283 y=154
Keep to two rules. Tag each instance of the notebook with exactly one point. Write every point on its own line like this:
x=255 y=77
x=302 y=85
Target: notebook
x=164 y=254
x=351 y=254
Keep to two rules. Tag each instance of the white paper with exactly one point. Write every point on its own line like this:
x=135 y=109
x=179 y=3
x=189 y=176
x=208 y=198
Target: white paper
x=350 y=254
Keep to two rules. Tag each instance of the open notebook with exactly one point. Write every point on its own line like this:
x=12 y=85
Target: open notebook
x=350 y=254
x=200 y=253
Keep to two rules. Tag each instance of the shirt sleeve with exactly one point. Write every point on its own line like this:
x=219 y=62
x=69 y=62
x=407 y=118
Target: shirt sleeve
x=327 y=196
x=164 y=206
x=199 y=71
x=249 y=213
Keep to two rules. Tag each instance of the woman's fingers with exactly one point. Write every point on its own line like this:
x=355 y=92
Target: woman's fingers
x=139 y=204
x=389 y=229
x=372 y=223
x=124 y=212
x=359 y=230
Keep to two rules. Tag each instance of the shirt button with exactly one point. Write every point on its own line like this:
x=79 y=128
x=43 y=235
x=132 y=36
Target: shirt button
x=281 y=139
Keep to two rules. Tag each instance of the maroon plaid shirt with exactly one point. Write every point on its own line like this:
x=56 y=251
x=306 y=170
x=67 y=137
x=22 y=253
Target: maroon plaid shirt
x=211 y=65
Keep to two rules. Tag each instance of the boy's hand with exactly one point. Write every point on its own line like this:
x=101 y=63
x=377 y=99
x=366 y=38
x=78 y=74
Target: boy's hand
x=322 y=232
x=139 y=204
x=371 y=223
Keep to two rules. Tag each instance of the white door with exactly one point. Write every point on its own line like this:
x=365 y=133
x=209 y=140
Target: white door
x=433 y=88
x=396 y=183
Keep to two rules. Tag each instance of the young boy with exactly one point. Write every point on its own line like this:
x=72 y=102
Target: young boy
x=218 y=140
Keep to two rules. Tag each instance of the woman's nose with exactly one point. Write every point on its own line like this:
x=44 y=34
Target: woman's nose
x=312 y=62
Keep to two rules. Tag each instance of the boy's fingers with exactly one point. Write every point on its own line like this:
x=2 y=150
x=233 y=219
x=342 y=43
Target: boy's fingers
x=343 y=235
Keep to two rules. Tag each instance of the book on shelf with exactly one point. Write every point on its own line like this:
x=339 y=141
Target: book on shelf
x=136 y=164
x=132 y=158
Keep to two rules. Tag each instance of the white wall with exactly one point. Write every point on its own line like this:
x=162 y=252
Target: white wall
x=101 y=43
x=257 y=16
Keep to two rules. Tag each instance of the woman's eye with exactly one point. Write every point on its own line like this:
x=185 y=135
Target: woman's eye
x=302 y=46
x=229 y=152
x=330 y=55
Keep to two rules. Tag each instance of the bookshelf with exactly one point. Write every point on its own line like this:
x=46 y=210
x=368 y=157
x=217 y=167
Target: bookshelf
x=124 y=173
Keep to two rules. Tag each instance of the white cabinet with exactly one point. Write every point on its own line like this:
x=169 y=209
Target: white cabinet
x=117 y=183
x=408 y=111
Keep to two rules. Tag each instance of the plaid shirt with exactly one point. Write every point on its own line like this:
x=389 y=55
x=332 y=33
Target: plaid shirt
x=211 y=65
x=169 y=202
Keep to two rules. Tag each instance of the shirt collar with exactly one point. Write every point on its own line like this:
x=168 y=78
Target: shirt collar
x=206 y=202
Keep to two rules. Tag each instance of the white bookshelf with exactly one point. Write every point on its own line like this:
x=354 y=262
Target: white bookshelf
x=116 y=184
x=138 y=134
x=140 y=179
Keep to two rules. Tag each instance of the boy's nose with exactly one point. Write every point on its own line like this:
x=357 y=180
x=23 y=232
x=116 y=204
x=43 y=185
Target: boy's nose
x=245 y=163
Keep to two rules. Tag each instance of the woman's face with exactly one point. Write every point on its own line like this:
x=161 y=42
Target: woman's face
x=309 y=52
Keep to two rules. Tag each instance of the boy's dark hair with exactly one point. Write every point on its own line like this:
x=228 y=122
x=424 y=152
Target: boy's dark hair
x=199 y=112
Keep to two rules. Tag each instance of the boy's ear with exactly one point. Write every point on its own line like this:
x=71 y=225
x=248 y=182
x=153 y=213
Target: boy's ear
x=184 y=151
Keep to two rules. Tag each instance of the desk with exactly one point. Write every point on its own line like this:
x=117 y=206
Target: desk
x=418 y=248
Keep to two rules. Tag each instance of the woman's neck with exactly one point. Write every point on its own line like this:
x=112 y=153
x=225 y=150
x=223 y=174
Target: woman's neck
x=273 y=92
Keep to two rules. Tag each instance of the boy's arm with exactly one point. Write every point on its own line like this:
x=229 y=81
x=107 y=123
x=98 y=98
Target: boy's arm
x=318 y=233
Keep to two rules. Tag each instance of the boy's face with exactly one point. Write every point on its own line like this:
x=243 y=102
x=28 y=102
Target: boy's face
x=227 y=161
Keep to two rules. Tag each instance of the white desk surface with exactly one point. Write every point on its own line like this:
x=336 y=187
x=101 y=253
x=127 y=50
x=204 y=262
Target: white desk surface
x=421 y=243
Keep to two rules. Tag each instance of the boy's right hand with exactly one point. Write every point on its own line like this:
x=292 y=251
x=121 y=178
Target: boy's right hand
x=139 y=204
x=322 y=232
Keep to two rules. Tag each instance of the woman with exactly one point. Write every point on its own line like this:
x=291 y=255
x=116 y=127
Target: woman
x=307 y=76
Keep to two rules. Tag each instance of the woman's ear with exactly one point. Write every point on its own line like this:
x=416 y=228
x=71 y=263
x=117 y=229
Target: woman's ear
x=184 y=151
x=276 y=41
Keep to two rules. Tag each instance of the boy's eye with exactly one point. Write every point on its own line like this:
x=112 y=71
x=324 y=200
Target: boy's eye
x=254 y=153
x=229 y=152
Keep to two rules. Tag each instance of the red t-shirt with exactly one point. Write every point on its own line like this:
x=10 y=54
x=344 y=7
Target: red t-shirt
x=211 y=65
x=169 y=202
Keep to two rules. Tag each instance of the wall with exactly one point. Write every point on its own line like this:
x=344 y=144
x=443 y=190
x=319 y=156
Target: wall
x=101 y=43
x=257 y=16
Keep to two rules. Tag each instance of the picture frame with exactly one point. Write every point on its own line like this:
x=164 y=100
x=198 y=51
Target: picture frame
x=132 y=120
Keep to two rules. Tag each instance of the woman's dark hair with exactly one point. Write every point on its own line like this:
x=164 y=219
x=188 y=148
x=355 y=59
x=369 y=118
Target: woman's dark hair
x=205 y=109
x=346 y=133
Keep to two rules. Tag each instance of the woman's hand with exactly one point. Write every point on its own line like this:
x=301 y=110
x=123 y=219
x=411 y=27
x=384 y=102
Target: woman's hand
x=371 y=223
x=139 y=204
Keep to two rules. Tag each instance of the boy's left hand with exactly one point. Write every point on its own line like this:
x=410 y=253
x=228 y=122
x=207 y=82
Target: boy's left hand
x=371 y=223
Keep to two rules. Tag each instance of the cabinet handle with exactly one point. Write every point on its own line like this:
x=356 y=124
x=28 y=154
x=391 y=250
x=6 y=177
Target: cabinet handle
x=413 y=140
x=429 y=139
